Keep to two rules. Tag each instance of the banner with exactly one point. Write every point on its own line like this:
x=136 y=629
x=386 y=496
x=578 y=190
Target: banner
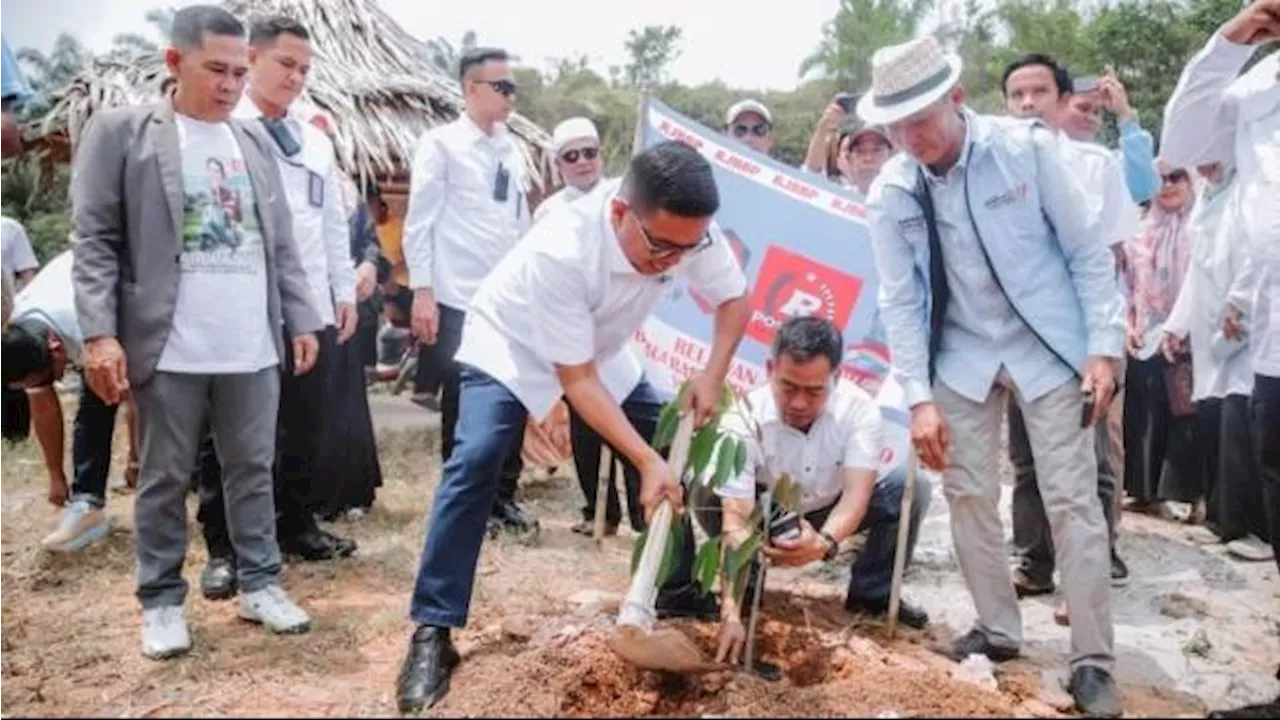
x=803 y=243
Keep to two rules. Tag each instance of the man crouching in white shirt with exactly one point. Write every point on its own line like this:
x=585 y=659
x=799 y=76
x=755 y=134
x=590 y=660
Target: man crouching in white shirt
x=555 y=318
x=826 y=435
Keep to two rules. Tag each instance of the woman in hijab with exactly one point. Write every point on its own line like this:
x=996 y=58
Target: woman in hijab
x=1161 y=455
x=1222 y=373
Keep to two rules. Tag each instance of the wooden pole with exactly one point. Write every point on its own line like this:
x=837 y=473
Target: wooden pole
x=604 y=478
x=900 y=552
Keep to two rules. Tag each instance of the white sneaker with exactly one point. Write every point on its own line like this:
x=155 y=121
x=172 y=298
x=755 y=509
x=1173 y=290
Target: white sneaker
x=1251 y=549
x=81 y=525
x=164 y=632
x=273 y=608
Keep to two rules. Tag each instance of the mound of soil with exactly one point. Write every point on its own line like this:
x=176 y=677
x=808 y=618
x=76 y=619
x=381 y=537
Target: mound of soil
x=566 y=668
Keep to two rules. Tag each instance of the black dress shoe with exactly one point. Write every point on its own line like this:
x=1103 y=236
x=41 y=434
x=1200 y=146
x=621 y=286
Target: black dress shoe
x=1119 y=571
x=512 y=518
x=342 y=547
x=311 y=545
x=687 y=602
x=976 y=643
x=218 y=579
x=1095 y=692
x=908 y=614
x=424 y=676
x=1026 y=586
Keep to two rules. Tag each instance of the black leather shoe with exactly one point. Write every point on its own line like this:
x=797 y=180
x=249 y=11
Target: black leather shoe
x=1119 y=571
x=342 y=547
x=1095 y=692
x=512 y=518
x=424 y=676
x=311 y=545
x=687 y=602
x=976 y=643
x=908 y=614
x=218 y=579
x=1026 y=586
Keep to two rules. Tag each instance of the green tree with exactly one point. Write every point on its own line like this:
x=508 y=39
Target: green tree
x=858 y=29
x=36 y=193
x=49 y=73
x=130 y=45
x=652 y=49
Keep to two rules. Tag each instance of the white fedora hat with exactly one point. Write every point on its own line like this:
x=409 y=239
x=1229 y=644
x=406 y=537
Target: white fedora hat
x=906 y=79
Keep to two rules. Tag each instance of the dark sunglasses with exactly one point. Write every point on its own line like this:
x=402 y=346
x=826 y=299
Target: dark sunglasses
x=503 y=87
x=740 y=130
x=664 y=248
x=571 y=156
x=1177 y=176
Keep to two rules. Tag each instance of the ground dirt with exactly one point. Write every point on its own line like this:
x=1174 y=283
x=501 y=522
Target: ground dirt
x=536 y=647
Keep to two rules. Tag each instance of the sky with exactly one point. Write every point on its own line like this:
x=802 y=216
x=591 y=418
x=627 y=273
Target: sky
x=744 y=44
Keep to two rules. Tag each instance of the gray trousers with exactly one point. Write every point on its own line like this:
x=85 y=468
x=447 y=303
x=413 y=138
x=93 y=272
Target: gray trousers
x=1068 y=481
x=1031 y=537
x=172 y=411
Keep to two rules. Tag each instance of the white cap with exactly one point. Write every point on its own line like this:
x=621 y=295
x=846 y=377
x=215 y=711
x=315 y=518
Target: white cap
x=746 y=106
x=578 y=128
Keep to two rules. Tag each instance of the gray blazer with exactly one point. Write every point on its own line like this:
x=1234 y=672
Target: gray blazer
x=126 y=194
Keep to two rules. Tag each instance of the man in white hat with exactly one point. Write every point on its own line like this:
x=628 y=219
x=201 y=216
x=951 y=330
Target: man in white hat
x=751 y=122
x=575 y=144
x=993 y=283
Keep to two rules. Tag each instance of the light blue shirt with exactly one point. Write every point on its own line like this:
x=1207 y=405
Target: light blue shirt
x=11 y=80
x=1138 y=152
x=1062 y=302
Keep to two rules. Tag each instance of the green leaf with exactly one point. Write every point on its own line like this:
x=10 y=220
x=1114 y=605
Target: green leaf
x=701 y=448
x=726 y=399
x=668 y=423
x=740 y=560
x=726 y=452
x=740 y=458
x=671 y=553
x=637 y=549
x=707 y=565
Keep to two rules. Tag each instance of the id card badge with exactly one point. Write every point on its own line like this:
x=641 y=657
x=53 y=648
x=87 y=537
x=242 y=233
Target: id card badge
x=501 y=184
x=315 y=189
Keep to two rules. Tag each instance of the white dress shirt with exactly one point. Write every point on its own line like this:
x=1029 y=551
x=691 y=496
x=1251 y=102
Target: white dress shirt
x=320 y=227
x=1216 y=115
x=455 y=230
x=1101 y=177
x=1219 y=366
x=18 y=256
x=563 y=197
x=567 y=295
x=848 y=435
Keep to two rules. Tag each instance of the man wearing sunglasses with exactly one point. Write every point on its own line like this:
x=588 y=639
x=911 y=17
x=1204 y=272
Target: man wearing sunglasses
x=555 y=320
x=575 y=143
x=467 y=209
x=749 y=121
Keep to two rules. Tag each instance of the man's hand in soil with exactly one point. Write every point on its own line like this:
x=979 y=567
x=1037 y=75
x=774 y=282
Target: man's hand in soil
x=930 y=436
x=808 y=548
x=1256 y=24
x=733 y=636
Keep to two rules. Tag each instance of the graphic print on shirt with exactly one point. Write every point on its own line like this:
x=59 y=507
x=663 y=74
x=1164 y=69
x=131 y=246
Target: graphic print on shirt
x=220 y=231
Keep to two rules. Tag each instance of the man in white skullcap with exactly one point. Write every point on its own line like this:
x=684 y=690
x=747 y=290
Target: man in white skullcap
x=575 y=144
x=751 y=122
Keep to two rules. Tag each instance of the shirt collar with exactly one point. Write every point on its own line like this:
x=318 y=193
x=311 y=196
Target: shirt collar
x=618 y=262
x=477 y=135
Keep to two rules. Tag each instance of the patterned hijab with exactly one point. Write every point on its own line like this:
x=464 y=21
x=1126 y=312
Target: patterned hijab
x=1158 y=257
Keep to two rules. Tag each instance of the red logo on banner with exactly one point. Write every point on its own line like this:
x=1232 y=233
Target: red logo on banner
x=790 y=284
x=740 y=251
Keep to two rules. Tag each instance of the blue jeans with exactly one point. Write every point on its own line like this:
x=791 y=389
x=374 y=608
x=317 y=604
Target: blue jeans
x=490 y=421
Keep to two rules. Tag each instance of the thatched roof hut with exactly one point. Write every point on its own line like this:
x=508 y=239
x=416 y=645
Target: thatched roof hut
x=371 y=75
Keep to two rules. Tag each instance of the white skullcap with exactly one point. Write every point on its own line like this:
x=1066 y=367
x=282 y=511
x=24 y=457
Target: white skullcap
x=578 y=128
x=748 y=106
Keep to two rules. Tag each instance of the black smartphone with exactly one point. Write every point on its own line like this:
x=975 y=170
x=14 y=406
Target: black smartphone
x=501 y=184
x=846 y=101
x=1086 y=414
x=785 y=527
x=284 y=139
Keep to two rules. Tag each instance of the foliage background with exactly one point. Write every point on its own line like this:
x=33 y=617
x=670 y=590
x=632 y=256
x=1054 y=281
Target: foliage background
x=1146 y=41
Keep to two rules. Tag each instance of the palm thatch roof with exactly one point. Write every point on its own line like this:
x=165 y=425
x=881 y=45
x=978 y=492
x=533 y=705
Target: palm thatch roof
x=371 y=75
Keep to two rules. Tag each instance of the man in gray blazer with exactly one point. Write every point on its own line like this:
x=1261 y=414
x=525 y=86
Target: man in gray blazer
x=185 y=272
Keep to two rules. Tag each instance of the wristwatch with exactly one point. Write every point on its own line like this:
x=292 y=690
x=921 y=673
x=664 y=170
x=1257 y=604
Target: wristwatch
x=833 y=547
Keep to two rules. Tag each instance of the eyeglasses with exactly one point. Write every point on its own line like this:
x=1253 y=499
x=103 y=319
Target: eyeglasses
x=1177 y=176
x=572 y=156
x=664 y=248
x=503 y=87
x=759 y=130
